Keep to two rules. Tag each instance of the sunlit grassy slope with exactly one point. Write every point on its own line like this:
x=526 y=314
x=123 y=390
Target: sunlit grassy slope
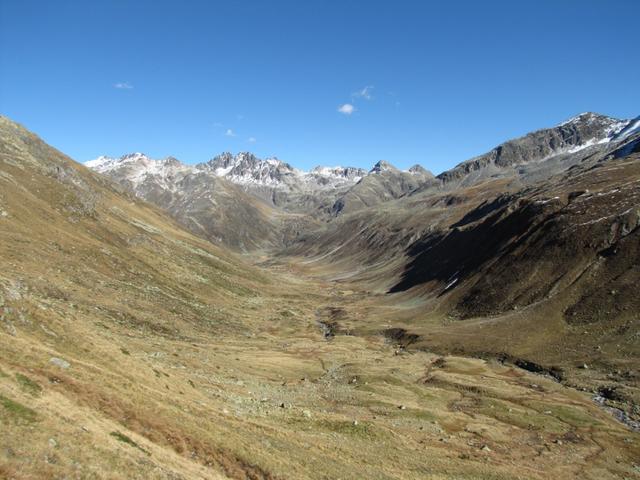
x=131 y=349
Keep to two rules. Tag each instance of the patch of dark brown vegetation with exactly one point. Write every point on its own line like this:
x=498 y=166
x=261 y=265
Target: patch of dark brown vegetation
x=530 y=366
x=328 y=320
x=400 y=336
x=611 y=392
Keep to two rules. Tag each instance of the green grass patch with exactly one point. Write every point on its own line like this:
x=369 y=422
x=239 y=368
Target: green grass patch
x=565 y=413
x=430 y=395
x=385 y=379
x=125 y=439
x=347 y=428
x=420 y=414
x=525 y=417
x=18 y=412
x=344 y=427
x=372 y=403
x=28 y=385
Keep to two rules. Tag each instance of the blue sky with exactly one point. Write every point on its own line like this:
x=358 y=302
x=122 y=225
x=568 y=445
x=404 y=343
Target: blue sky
x=427 y=82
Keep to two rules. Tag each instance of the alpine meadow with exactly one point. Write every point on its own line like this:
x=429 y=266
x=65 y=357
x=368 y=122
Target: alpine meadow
x=458 y=299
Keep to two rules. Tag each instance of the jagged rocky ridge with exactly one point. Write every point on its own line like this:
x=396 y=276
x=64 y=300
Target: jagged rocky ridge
x=247 y=203
x=569 y=137
x=268 y=179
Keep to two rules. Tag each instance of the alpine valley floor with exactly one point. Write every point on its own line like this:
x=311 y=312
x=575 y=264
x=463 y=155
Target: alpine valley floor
x=281 y=398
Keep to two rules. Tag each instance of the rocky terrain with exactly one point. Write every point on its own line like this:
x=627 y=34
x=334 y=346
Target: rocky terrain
x=482 y=323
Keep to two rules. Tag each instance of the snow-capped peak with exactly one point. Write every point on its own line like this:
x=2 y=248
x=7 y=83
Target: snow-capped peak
x=99 y=162
x=595 y=128
x=607 y=126
x=104 y=164
x=338 y=171
x=245 y=168
x=136 y=167
x=581 y=117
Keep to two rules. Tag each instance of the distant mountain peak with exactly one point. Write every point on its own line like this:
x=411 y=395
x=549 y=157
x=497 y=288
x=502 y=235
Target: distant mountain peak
x=104 y=164
x=590 y=118
x=580 y=132
x=382 y=166
x=353 y=173
x=418 y=169
x=134 y=155
x=629 y=128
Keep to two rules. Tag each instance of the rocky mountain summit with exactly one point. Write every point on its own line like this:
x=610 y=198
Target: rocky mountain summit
x=584 y=132
x=247 y=169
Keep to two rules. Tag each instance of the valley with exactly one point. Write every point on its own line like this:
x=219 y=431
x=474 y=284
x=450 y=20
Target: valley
x=394 y=325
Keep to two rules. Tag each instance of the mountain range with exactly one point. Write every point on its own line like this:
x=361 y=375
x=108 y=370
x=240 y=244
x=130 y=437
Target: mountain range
x=278 y=194
x=244 y=319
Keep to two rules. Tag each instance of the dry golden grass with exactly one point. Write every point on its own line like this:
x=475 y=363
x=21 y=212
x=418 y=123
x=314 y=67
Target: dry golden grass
x=132 y=349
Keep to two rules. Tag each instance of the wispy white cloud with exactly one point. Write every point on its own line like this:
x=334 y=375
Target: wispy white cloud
x=123 y=86
x=363 y=93
x=239 y=116
x=346 y=109
x=229 y=133
x=217 y=125
x=251 y=140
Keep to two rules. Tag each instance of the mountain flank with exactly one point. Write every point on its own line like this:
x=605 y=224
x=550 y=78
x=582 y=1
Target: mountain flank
x=376 y=341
